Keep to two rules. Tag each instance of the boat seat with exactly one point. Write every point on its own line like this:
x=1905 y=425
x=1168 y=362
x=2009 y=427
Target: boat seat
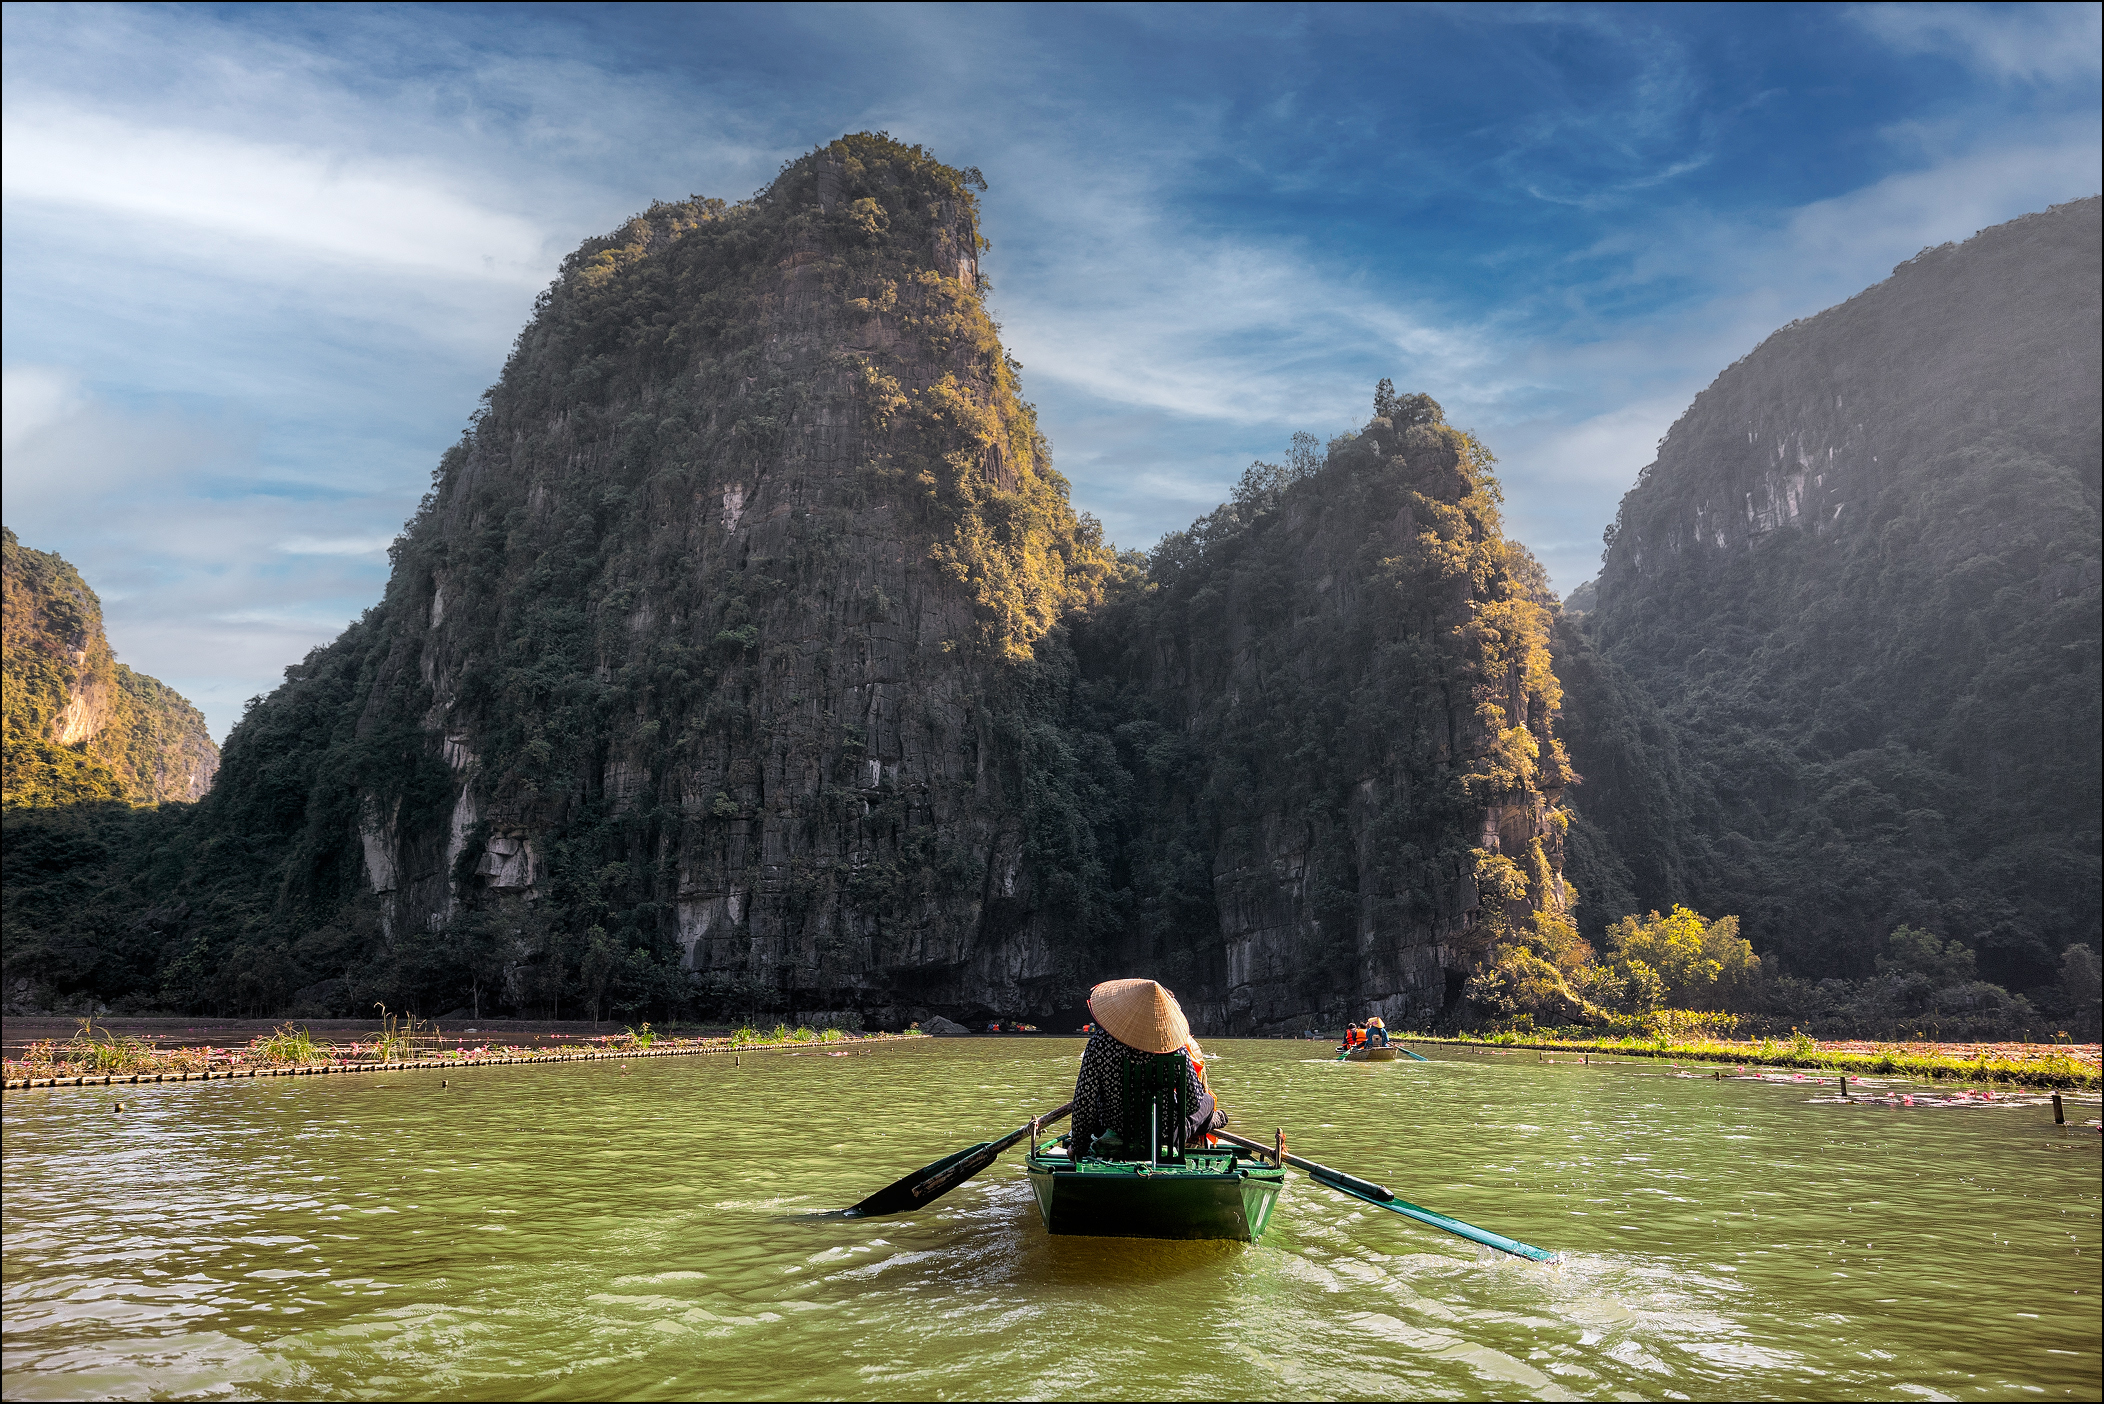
x=1162 y=1083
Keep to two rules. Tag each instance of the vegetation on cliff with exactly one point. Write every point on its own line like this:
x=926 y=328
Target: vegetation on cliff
x=1331 y=705
x=748 y=655
x=1840 y=674
x=81 y=727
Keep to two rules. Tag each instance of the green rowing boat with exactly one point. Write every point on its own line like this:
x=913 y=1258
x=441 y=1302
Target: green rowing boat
x=1136 y=1179
x=1220 y=1193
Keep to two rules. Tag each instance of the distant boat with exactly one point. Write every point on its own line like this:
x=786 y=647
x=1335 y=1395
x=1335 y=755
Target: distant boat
x=1373 y=1055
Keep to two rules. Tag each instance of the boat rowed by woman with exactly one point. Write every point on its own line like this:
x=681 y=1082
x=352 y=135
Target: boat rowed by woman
x=1139 y=1161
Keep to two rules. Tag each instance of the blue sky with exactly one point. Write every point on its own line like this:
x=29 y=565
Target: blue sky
x=260 y=261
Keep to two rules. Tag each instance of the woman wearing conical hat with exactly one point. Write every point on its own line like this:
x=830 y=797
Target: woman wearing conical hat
x=1135 y=1020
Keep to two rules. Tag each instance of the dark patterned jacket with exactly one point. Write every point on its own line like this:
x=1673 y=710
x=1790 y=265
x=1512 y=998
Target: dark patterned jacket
x=1099 y=1093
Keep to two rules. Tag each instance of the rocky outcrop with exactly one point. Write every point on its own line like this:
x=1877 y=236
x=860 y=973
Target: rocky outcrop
x=731 y=666
x=80 y=725
x=1861 y=586
x=709 y=641
x=1340 y=706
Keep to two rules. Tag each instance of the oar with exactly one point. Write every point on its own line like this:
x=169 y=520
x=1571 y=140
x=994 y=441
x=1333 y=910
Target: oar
x=1396 y=1046
x=1375 y=1194
x=932 y=1181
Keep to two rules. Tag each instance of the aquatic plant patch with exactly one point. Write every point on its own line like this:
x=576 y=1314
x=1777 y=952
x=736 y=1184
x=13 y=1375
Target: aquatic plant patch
x=2027 y=1064
x=83 y=1056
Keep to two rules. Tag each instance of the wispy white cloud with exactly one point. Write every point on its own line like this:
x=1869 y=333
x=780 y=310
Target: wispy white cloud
x=171 y=520
x=34 y=398
x=1156 y=334
x=318 y=203
x=2017 y=43
x=336 y=545
x=258 y=272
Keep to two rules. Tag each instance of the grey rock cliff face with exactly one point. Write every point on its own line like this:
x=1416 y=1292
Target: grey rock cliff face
x=1825 y=417
x=732 y=575
x=748 y=656
x=1345 y=706
x=1860 y=585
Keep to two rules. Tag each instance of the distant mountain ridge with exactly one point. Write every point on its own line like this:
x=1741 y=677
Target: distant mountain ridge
x=81 y=726
x=1840 y=669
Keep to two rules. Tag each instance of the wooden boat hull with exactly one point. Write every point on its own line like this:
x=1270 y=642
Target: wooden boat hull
x=1373 y=1055
x=1208 y=1196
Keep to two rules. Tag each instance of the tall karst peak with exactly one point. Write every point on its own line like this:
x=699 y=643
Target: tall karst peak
x=1854 y=608
x=748 y=657
x=703 y=634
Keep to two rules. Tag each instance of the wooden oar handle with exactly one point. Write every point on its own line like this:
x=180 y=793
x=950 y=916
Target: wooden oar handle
x=1258 y=1146
x=1046 y=1120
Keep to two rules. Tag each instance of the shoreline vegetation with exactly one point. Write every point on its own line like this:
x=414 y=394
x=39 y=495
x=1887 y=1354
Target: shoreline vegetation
x=2047 y=1065
x=96 y=1054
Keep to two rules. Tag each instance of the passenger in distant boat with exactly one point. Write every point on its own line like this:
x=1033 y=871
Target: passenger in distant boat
x=1136 y=1020
x=1376 y=1032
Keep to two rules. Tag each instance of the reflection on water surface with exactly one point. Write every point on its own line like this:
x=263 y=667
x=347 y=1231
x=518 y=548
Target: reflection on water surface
x=581 y=1231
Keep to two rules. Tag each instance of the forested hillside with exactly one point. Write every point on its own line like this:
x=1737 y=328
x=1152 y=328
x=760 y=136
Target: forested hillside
x=1840 y=670
x=1333 y=701
x=80 y=726
x=731 y=665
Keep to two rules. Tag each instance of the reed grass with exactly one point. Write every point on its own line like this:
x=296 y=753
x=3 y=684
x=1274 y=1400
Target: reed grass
x=96 y=1052
x=287 y=1046
x=2052 y=1066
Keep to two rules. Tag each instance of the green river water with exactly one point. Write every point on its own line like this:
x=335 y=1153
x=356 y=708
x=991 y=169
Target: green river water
x=580 y=1232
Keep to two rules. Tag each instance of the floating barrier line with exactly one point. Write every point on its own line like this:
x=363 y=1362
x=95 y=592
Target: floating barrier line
x=17 y=1084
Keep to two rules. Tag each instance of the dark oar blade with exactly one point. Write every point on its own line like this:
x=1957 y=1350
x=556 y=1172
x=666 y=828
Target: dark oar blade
x=926 y=1183
x=932 y=1181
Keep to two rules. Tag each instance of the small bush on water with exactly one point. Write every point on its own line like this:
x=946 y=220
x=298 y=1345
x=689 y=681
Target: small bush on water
x=288 y=1047
x=398 y=1036
x=98 y=1051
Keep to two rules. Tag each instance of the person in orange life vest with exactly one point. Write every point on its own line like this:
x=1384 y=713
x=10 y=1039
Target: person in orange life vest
x=1354 y=1037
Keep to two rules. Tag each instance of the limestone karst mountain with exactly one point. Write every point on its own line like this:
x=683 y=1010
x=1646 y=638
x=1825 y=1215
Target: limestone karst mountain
x=1840 y=669
x=731 y=664
x=80 y=726
x=1333 y=708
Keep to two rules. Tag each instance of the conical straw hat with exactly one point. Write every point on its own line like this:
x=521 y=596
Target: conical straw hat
x=1140 y=1014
